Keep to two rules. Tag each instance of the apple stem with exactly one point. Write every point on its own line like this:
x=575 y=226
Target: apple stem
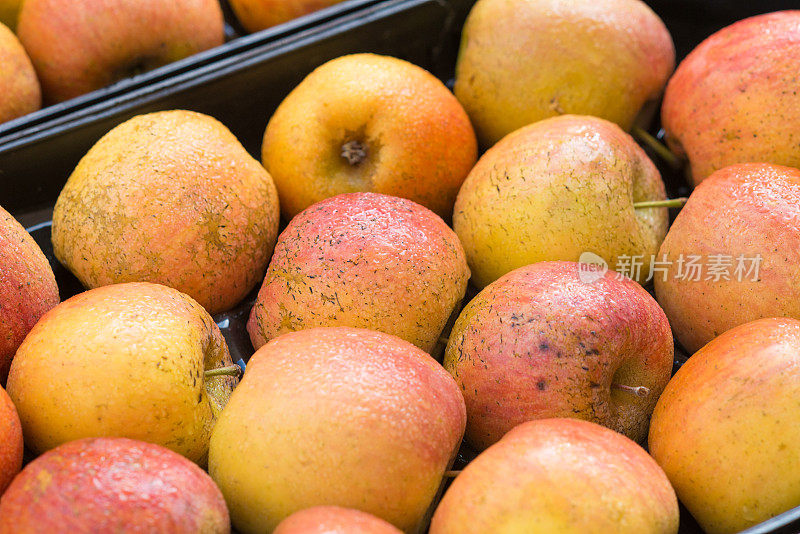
x=668 y=203
x=231 y=370
x=639 y=391
x=354 y=152
x=452 y=474
x=657 y=146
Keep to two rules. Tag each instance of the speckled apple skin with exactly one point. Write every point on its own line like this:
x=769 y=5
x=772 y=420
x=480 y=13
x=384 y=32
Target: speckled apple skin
x=554 y=190
x=18 y=82
x=540 y=343
x=125 y=360
x=113 y=485
x=728 y=426
x=364 y=260
x=171 y=198
x=522 y=61
x=744 y=209
x=78 y=46
x=735 y=98
x=11 y=445
x=27 y=287
x=336 y=416
x=419 y=142
x=559 y=476
x=334 y=520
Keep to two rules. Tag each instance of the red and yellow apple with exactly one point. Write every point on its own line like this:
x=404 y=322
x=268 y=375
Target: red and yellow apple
x=559 y=476
x=334 y=520
x=11 y=445
x=336 y=416
x=541 y=342
x=734 y=99
x=522 y=61
x=18 y=83
x=256 y=15
x=126 y=360
x=555 y=190
x=171 y=198
x=727 y=428
x=27 y=287
x=78 y=46
x=113 y=485
x=363 y=260
x=366 y=122
x=741 y=232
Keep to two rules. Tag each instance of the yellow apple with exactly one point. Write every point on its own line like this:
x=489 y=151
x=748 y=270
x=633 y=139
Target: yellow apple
x=18 y=83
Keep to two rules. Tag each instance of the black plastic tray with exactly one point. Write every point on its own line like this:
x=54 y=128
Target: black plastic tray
x=242 y=83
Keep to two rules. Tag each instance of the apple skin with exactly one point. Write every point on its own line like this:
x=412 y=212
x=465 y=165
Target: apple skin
x=78 y=46
x=124 y=360
x=172 y=198
x=256 y=15
x=540 y=343
x=559 y=476
x=522 y=61
x=18 y=83
x=336 y=416
x=734 y=98
x=743 y=209
x=334 y=520
x=11 y=445
x=554 y=190
x=27 y=288
x=113 y=485
x=363 y=260
x=418 y=141
x=727 y=426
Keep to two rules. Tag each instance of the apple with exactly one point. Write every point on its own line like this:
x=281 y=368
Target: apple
x=741 y=231
x=113 y=485
x=11 y=446
x=27 y=287
x=336 y=416
x=135 y=360
x=334 y=520
x=364 y=260
x=727 y=428
x=559 y=476
x=555 y=190
x=734 y=98
x=9 y=10
x=171 y=198
x=78 y=46
x=18 y=83
x=256 y=15
x=366 y=122
x=540 y=342
x=522 y=61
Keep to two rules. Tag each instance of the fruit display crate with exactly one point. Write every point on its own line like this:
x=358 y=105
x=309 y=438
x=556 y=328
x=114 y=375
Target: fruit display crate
x=242 y=82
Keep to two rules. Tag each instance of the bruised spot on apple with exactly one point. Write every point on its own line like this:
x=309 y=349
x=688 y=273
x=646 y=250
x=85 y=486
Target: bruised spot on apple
x=11 y=444
x=336 y=416
x=27 y=288
x=122 y=360
x=559 y=476
x=735 y=98
x=556 y=189
x=363 y=260
x=748 y=217
x=113 y=485
x=541 y=343
x=78 y=46
x=727 y=428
